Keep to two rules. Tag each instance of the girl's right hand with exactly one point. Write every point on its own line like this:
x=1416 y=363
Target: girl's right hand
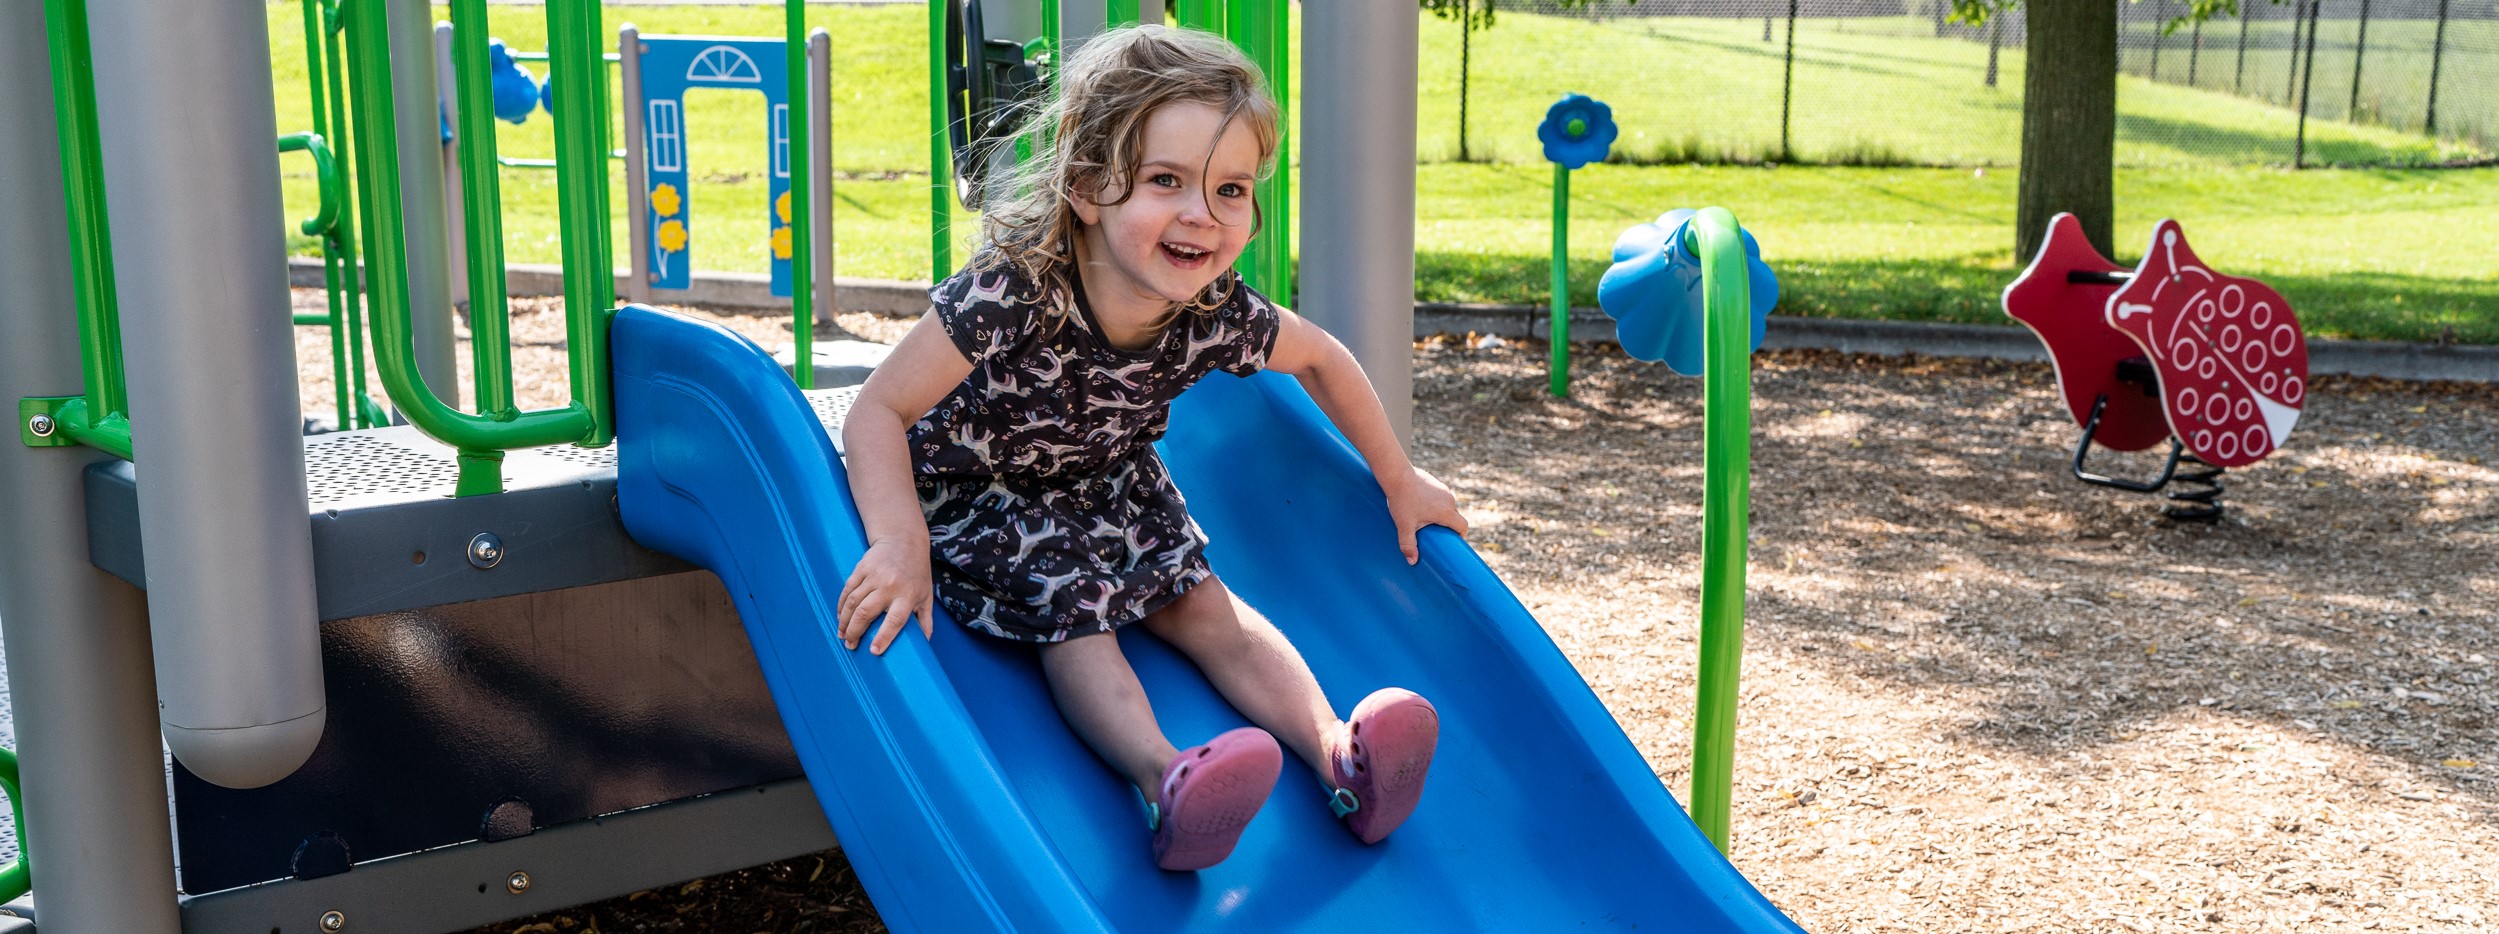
x=892 y=581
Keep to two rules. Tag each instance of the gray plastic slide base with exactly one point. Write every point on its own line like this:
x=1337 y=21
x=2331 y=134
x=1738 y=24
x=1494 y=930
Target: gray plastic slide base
x=388 y=536
x=459 y=887
x=839 y=363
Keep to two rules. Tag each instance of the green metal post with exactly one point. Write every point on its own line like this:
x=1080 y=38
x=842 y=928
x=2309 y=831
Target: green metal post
x=1725 y=490
x=325 y=174
x=1262 y=29
x=800 y=220
x=490 y=310
x=574 y=40
x=1558 y=371
x=100 y=418
x=940 y=168
x=1117 y=13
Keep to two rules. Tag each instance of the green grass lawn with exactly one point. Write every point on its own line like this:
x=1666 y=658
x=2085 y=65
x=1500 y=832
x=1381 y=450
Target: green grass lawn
x=2391 y=254
x=2382 y=254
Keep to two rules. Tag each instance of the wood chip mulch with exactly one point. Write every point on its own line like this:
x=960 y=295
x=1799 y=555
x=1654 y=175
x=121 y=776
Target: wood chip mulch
x=1978 y=695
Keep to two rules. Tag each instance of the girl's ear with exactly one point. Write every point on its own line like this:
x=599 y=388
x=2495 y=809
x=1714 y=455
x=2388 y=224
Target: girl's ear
x=1086 y=210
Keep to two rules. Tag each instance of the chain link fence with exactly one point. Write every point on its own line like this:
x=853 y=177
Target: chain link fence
x=1893 y=82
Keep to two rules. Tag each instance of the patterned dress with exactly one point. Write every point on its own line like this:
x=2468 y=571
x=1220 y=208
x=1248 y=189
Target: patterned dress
x=1050 y=515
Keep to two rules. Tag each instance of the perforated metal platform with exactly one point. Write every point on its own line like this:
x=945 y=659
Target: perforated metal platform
x=389 y=536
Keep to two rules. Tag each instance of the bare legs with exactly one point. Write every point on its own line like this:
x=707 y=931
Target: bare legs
x=1243 y=656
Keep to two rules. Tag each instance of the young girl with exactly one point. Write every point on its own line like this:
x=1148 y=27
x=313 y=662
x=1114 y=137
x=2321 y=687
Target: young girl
x=1023 y=409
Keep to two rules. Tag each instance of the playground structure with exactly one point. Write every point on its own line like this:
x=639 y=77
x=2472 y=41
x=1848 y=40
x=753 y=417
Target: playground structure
x=428 y=676
x=2214 y=364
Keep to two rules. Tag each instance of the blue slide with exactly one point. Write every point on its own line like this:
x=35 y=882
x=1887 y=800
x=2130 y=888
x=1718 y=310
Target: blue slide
x=966 y=804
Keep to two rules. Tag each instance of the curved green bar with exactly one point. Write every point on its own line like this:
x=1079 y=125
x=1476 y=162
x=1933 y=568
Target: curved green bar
x=15 y=878
x=386 y=266
x=325 y=172
x=1727 y=449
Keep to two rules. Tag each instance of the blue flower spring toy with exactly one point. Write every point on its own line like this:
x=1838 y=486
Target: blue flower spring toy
x=1578 y=130
x=1653 y=292
x=515 y=90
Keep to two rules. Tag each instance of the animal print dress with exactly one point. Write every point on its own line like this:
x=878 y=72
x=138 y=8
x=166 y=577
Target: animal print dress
x=1050 y=515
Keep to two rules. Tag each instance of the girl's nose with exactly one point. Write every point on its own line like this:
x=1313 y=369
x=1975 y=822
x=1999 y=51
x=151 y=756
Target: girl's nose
x=1195 y=212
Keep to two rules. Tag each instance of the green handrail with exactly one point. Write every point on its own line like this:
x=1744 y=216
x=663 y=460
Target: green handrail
x=16 y=876
x=490 y=310
x=323 y=222
x=99 y=418
x=327 y=83
x=940 y=166
x=801 y=220
x=1727 y=425
x=581 y=198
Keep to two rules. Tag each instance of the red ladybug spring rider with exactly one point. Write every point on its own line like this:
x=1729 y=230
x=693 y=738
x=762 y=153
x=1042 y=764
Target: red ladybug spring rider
x=2215 y=364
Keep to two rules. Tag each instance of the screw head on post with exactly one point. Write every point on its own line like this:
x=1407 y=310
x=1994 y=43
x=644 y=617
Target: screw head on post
x=333 y=922
x=517 y=883
x=41 y=425
x=485 y=551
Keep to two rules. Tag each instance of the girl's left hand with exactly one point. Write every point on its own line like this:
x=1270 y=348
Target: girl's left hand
x=1419 y=499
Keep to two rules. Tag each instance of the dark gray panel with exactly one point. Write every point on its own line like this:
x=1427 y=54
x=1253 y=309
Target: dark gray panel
x=465 y=886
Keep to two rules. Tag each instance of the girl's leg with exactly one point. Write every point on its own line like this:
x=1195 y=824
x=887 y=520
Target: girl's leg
x=1252 y=665
x=1099 y=696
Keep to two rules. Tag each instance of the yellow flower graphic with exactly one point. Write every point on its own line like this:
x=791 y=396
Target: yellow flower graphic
x=781 y=207
x=781 y=243
x=672 y=236
x=665 y=200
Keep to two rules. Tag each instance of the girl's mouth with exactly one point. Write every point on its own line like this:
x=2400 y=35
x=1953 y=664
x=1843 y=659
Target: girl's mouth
x=1185 y=256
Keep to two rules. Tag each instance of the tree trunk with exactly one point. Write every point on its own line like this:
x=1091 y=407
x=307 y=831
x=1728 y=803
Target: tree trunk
x=2069 y=121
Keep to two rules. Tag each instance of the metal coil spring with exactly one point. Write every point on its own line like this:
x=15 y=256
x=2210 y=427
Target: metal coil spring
x=2200 y=498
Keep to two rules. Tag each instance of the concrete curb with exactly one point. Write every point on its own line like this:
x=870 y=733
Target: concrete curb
x=737 y=292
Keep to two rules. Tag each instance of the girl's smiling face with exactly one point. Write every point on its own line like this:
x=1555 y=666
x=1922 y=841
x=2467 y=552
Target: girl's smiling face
x=1187 y=216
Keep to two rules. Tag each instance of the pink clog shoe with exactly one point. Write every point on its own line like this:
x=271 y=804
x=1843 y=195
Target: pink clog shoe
x=1209 y=794
x=1378 y=763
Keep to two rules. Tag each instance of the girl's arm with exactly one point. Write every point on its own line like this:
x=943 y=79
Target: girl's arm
x=892 y=579
x=1334 y=380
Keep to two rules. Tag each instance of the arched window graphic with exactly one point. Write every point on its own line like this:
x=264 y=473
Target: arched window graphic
x=723 y=64
x=667 y=137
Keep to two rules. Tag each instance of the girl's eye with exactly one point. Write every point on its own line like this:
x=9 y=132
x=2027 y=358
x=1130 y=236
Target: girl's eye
x=1165 y=179
x=1232 y=190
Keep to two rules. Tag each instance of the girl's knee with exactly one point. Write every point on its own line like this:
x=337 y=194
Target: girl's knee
x=1206 y=611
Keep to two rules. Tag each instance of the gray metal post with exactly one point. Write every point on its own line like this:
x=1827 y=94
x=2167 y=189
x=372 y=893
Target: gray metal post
x=1080 y=20
x=1357 y=220
x=421 y=184
x=820 y=149
x=81 y=689
x=637 y=171
x=447 y=96
x=191 y=170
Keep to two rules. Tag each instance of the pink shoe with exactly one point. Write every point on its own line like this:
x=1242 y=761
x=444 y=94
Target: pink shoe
x=1380 y=760
x=1209 y=795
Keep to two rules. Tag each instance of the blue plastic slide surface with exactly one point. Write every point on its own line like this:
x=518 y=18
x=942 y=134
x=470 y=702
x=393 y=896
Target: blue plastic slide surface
x=966 y=804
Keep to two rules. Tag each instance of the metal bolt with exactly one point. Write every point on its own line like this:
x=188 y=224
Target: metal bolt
x=517 y=883
x=333 y=922
x=485 y=551
x=42 y=425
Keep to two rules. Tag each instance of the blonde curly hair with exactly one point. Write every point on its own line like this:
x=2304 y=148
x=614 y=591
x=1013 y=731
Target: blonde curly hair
x=1087 y=139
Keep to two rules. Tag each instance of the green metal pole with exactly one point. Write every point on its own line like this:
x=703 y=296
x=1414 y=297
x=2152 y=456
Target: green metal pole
x=802 y=178
x=574 y=41
x=1117 y=13
x=99 y=418
x=940 y=169
x=481 y=220
x=1727 y=453
x=1558 y=372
